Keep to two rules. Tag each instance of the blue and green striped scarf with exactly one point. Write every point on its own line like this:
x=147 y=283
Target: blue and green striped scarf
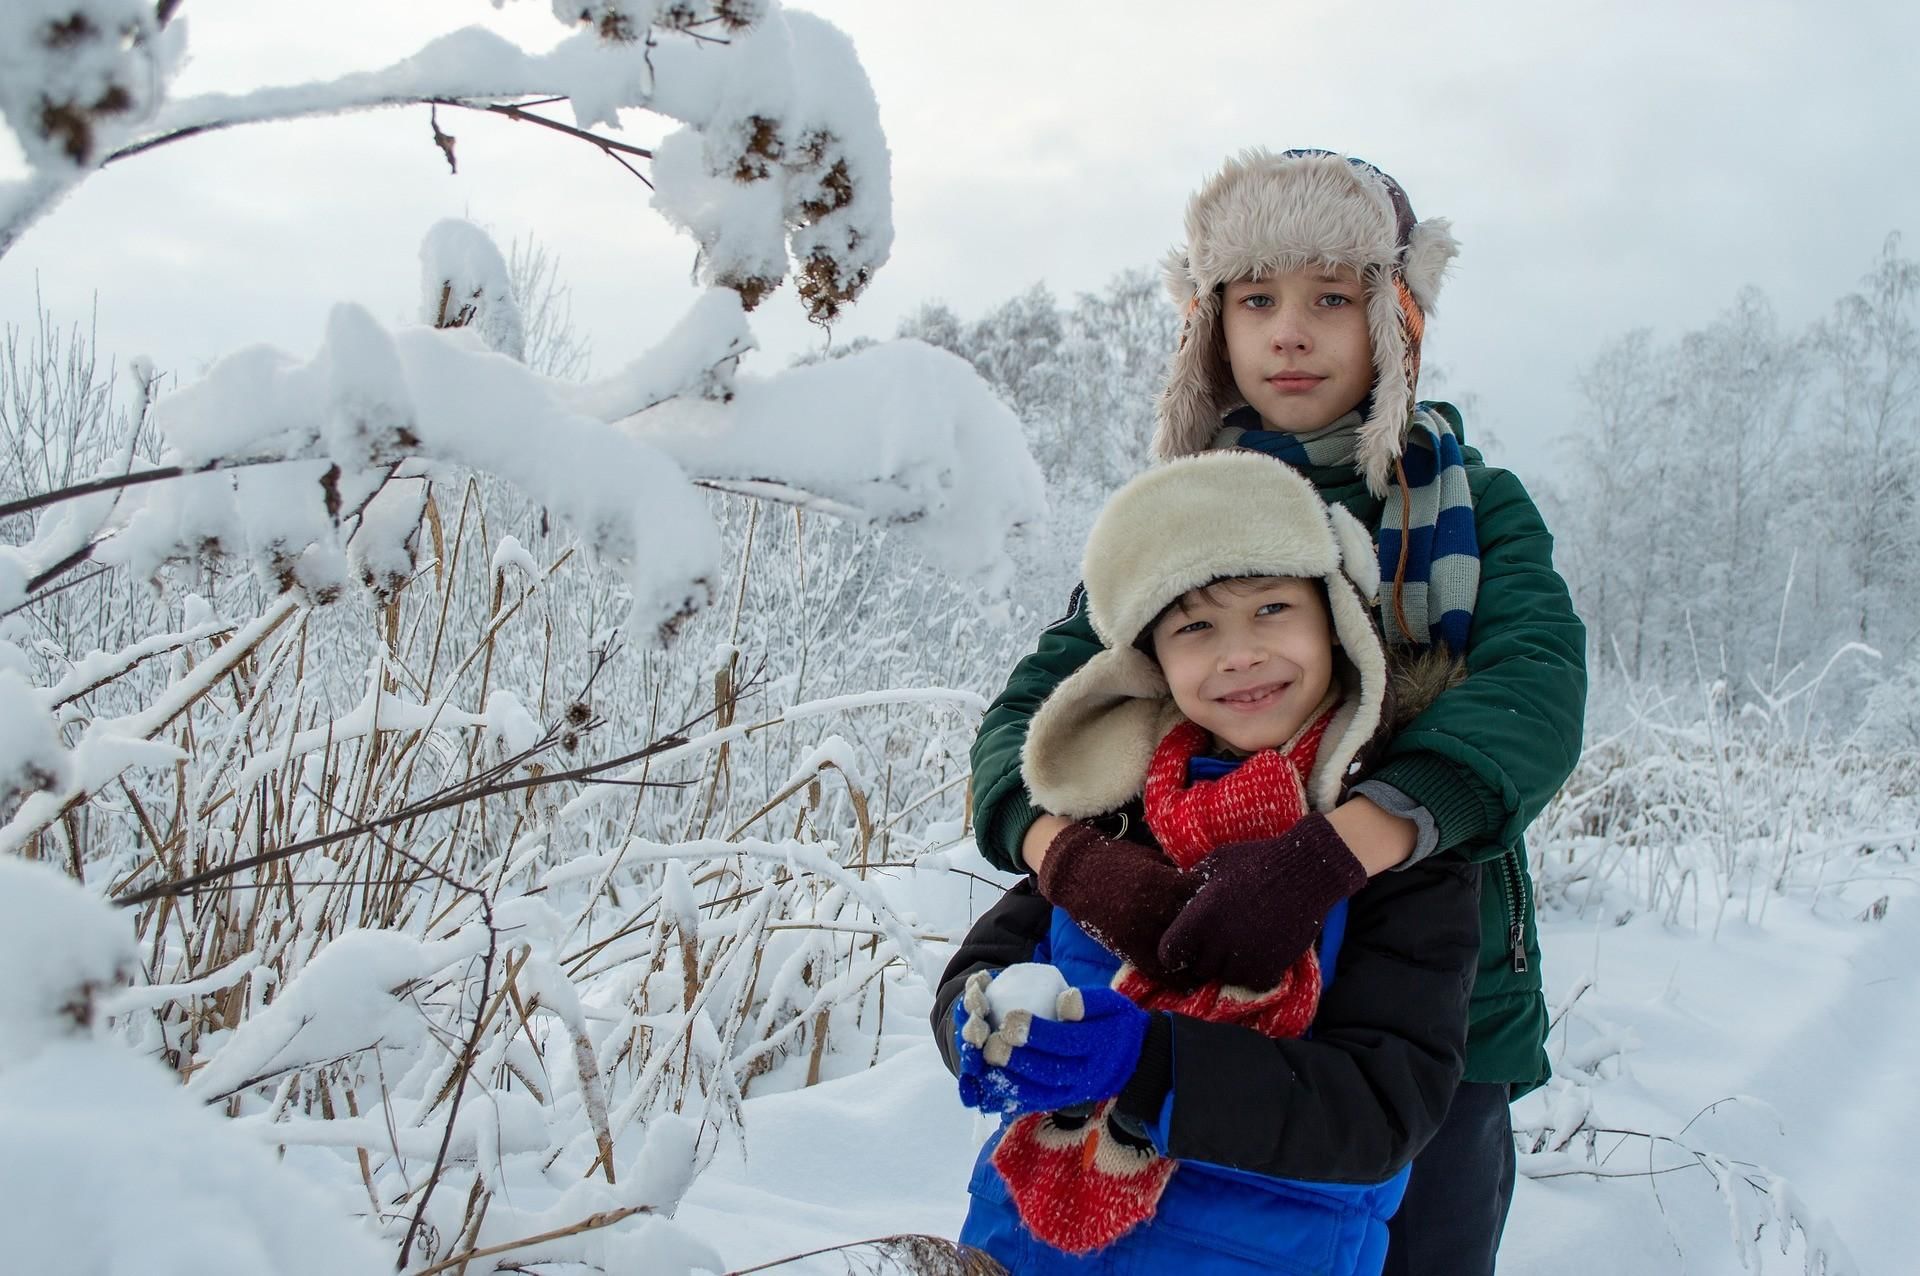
x=1442 y=578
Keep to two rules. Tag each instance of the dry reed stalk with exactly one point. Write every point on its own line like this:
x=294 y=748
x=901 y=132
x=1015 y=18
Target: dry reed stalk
x=593 y=1222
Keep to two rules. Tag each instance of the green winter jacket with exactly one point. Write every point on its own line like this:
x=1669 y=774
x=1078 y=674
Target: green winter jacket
x=1483 y=759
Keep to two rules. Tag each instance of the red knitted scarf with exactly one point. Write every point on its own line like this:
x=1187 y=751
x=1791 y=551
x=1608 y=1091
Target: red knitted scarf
x=1079 y=1183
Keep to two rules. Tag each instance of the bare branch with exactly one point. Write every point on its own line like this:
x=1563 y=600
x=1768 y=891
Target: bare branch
x=522 y=115
x=458 y=795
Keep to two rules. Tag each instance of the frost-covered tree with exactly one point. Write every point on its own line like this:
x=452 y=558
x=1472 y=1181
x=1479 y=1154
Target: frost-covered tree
x=1744 y=501
x=1867 y=450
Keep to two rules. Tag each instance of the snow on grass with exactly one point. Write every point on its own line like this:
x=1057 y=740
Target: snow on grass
x=351 y=996
x=111 y=1169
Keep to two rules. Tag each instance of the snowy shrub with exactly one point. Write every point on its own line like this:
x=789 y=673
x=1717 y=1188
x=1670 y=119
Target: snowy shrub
x=471 y=857
x=1691 y=807
x=111 y=1166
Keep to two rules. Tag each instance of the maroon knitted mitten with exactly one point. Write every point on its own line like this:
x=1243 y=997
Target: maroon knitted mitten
x=1122 y=893
x=1261 y=905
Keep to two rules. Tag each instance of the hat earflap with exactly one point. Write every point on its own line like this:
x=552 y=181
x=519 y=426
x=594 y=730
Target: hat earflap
x=1358 y=716
x=1199 y=387
x=1089 y=745
x=1383 y=434
x=1430 y=250
x=1359 y=557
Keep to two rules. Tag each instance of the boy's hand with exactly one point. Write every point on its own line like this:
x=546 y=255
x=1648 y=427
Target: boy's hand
x=1262 y=905
x=1122 y=893
x=1086 y=1056
x=972 y=1028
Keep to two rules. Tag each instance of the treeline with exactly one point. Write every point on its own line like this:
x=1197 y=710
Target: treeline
x=1739 y=502
x=1745 y=497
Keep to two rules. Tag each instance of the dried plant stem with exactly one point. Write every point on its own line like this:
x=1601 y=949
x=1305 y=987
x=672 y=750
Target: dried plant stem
x=592 y=1222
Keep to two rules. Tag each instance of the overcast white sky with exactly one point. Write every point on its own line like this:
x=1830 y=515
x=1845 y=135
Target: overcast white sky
x=1605 y=165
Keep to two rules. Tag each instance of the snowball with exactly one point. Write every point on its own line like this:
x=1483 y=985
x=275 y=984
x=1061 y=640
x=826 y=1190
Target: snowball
x=1030 y=986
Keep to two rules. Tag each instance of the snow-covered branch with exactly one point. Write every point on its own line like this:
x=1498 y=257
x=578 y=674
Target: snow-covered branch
x=781 y=158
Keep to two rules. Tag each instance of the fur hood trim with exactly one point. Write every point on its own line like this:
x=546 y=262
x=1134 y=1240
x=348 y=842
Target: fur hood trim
x=1264 y=213
x=1175 y=528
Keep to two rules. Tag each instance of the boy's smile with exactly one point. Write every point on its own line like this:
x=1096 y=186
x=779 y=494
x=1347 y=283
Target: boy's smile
x=1248 y=659
x=1298 y=346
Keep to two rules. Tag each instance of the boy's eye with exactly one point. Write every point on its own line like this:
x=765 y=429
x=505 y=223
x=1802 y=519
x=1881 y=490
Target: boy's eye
x=1192 y=627
x=1272 y=609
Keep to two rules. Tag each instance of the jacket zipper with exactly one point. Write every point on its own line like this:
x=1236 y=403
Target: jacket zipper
x=1516 y=910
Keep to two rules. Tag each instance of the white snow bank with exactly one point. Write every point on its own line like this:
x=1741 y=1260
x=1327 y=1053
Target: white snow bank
x=110 y=1169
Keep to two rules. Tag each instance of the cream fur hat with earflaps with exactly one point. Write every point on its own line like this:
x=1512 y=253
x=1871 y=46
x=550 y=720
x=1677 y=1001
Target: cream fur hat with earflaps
x=1175 y=528
x=1264 y=213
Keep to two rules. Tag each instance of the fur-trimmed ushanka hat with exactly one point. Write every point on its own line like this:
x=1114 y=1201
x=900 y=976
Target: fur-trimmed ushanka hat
x=1175 y=528
x=1264 y=213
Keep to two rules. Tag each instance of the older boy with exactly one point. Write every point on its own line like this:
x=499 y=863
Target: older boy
x=1306 y=281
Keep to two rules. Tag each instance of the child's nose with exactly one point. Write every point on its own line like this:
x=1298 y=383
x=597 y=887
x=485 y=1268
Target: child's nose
x=1290 y=330
x=1236 y=656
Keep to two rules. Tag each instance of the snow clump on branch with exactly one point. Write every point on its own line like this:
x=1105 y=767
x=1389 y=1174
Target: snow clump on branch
x=464 y=283
x=78 y=76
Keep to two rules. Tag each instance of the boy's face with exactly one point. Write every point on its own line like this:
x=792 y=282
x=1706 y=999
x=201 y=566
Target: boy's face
x=1299 y=347
x=1248 y=660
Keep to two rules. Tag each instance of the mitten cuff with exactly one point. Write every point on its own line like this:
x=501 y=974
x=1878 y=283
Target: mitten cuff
x=1327 y=861
x=1059 y=869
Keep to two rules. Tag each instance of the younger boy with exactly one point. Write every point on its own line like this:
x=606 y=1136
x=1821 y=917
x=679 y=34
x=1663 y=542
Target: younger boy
x=1306 y=281
x=1240 y=677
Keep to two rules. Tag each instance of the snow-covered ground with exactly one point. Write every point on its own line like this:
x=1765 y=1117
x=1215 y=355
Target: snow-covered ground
x=1788 y=1046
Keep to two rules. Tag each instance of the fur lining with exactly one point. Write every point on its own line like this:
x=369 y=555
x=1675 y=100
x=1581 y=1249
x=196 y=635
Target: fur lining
x=1359 y=716
x=1384 y=433
x=1418 y=678
x=1357 y=556
x=1429 y=253
x=1264 y=213
x=1199 y=387
x=1088 y=747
